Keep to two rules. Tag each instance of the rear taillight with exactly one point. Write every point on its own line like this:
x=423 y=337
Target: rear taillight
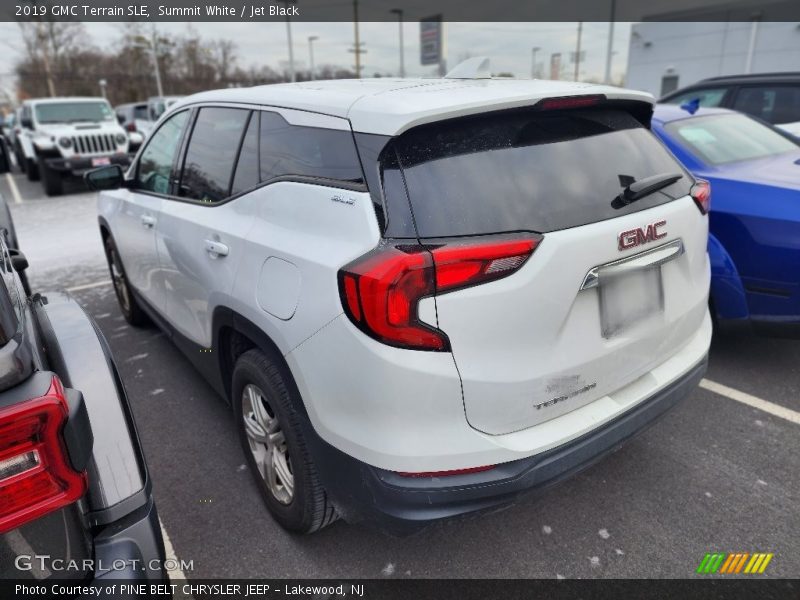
x=381 y=291
x=35 y=473
x=701 y=194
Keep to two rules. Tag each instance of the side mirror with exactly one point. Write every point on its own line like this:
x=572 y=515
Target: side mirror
x=110 y=177
x=5 y=161
x=136 y=138
x=26 y=123
x=18 y=260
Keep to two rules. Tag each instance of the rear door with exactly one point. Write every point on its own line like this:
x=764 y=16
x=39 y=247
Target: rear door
x=200 y=231
x=612 y=289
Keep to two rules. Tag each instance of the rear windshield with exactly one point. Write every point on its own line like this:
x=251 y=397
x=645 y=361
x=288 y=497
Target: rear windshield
x=529 y=171
x=721 y=139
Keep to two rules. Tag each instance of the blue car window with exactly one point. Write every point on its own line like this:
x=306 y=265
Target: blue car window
x=721 y=139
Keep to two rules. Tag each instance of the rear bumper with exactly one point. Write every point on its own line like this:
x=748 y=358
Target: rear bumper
x=78 y=166
x=400 y=504
x=131 y=548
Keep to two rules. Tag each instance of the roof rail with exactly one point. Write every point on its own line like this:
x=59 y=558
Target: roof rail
x=478 y=67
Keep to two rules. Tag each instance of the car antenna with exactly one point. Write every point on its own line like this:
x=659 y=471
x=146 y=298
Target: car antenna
x=478 y=67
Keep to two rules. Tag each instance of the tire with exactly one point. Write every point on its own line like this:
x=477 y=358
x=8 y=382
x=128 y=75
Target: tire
x=20 y=158
x=303 y=506
x=31 y=169
x=52 y=181
x=128 y=305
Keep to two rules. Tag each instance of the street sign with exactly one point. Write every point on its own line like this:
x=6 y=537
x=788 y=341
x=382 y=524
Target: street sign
x=572 y=56
x=430 y=40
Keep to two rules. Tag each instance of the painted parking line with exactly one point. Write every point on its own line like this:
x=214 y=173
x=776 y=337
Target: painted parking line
x=88 y=286
x=768 y=407
x=12 y=185
x=169 y=552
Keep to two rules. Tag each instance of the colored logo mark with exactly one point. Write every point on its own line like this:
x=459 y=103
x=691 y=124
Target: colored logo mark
x=740 y=562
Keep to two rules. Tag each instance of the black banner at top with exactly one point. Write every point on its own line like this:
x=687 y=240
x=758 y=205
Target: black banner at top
x=386 y=10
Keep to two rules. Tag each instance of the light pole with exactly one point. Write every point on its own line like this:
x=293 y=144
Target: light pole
x=311 y=40
x=399 y=13
x=610 y=46
x=534 y=71
x=153 y=48
x=578 y=51
x=154 y=45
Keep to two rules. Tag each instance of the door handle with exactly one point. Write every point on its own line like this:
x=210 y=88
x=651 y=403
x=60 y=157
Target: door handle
x=148 y=222
x=216 y=249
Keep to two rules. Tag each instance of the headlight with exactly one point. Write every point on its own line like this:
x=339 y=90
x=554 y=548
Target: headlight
x=121 y=139
x=65 y=142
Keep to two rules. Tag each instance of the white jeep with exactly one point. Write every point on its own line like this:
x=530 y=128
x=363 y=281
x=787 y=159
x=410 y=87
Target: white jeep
x=63 y=137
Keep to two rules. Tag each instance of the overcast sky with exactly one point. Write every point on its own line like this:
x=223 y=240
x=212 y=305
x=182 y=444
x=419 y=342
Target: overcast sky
x=507 y=44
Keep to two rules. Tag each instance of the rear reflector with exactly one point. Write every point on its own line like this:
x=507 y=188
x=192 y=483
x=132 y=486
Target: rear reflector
x=381 y=291
x=466 y=471
x=701 y=193
x=36 y=477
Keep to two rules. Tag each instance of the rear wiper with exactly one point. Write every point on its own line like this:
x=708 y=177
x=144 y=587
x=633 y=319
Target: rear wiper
x=644 y=187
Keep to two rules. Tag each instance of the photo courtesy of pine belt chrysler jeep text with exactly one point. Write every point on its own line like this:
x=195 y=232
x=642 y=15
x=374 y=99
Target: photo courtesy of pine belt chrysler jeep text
x=421 y=297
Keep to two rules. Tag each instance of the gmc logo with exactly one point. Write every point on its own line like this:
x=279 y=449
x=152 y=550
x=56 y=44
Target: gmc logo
x=637 y=237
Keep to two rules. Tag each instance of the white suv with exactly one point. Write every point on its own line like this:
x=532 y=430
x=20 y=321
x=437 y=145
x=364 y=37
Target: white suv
x=421 y=297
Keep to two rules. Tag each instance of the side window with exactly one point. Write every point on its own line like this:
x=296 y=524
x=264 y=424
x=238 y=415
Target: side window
x=246 y=176
x=155 y=165
x=708 y=97
x=306 y=151
x=211 y=154
x=774 y=104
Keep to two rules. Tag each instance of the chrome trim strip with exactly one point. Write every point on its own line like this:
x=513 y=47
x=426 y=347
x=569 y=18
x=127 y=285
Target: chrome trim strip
x=650 y=258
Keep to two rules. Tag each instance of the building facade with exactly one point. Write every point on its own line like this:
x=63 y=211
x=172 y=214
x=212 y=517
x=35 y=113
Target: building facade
x=665 y=56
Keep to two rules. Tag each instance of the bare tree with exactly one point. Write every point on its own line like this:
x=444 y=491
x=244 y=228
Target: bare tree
x=48 y=45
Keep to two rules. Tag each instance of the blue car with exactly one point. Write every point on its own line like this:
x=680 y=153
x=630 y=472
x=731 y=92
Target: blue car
x=754 y=241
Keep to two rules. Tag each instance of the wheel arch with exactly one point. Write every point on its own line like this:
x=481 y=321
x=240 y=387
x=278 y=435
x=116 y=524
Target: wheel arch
x=234 y=335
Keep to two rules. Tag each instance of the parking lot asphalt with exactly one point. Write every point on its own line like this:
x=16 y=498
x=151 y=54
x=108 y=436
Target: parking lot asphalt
x=715 y=475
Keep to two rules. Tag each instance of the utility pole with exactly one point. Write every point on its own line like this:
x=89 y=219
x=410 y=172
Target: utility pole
x=399 y=13
x=578 y=51
x=292 y=74
x=43 y=40
x=311 y=40
x=154 y=48
x=357 y=50
x=610 y=45
x=534 y=71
